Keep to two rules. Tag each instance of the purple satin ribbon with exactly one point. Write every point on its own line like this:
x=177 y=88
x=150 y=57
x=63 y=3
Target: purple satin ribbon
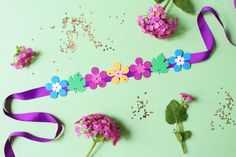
x=41 y=92
x=29 y=117
x=207 y=36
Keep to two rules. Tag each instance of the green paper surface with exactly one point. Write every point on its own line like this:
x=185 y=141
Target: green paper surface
x=109 y=33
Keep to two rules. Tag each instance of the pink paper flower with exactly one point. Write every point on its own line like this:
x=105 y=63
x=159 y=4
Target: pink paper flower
x=140 y=69
x=96 y=78
x=186 y=97
x=157 y=23
x=23 y=57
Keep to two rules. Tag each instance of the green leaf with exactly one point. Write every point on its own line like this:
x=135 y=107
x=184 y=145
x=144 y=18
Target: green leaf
x=160 y=64
x=175 y=113
x=159 y=1
x=18 y=51
x=76 y=83
x=185 y=5
x=187 y=135
x=100 y=138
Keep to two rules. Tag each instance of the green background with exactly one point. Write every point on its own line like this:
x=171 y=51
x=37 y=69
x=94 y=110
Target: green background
x=22 y=20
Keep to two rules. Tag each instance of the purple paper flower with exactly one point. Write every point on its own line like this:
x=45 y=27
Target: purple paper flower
x=96 y=78
x=140 y=69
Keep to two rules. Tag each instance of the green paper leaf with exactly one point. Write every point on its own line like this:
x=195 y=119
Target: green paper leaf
x=175 y=113
x=185 y=5
x=76 y=83
x=187 y=135
x=160 y=64
x=159 y=1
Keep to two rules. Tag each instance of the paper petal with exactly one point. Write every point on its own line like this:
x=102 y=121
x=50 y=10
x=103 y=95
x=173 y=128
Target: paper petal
x=187 y=56
x=178 y=52
x=172 y=60
x=110 y=72
x=132 y=68
x=124 y=79
x=117 y=66
x=146 y=74
x=95 y=70
x=93 y=85
x=139 y=60
x=186 y=66
x=48 y=87
x=177 y=68
x=115 y=80
x=53 y=94
x=64 y=83
x=137 y=76
x=55 y=79
x=125 y=70
x=63 y=92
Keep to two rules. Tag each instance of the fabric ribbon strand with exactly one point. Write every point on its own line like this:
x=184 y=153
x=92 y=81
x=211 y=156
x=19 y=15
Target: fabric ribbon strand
x=207 y=35
x=29 y=117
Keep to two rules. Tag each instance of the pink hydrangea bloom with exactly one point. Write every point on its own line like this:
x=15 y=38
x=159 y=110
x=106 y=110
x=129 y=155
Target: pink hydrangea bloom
x=140 y=69
x=186 y=97
x=98 y=126
x=96 y=78
x=24 y=57
x=157 y=23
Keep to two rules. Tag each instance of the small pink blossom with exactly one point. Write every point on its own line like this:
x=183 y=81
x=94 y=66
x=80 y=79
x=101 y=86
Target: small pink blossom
x=186 y=97
x=97 y=126
x=23 y=57
x=157 y=23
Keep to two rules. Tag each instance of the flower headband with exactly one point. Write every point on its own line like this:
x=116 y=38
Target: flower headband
x=117 y=74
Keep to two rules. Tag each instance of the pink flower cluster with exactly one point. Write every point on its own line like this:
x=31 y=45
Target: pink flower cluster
x=186 y=97
x=98 y=126
x=24 y=57
x=157 y=23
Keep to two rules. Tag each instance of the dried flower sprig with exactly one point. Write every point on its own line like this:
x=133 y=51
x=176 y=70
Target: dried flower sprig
x=99 y=127
x=23 y=57
x=176 y=113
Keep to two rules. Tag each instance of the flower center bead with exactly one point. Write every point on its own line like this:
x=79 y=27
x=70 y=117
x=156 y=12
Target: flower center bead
x=140 y=68
x=56 y=87
x=96 y=78
x=118 y=73
x=179 y=60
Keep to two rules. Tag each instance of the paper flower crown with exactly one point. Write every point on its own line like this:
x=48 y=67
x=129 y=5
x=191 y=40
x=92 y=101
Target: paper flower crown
x=117 y=74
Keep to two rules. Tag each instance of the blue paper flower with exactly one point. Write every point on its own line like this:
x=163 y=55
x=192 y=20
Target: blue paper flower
x=180 y=60
x=57 y=87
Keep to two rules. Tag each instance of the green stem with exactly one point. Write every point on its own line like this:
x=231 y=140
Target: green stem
x=180 y=128
x=91 y=149
x=184 y=147
x=167 y=3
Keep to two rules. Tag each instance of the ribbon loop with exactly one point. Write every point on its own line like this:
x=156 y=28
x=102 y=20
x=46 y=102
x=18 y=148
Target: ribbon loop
x=29 y=117
x=207 y=35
